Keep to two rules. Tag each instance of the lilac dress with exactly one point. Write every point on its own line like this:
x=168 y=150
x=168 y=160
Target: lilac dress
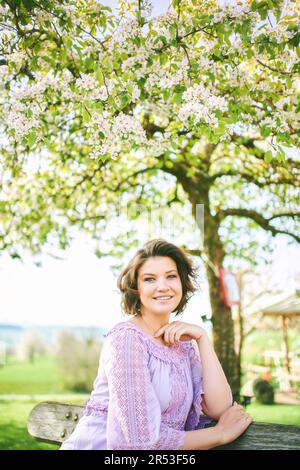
x=146 y=394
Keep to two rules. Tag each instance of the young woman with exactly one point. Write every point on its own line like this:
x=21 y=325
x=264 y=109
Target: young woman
x=156 y=378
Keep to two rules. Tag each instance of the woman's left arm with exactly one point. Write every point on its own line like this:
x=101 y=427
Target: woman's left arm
x=217 y=394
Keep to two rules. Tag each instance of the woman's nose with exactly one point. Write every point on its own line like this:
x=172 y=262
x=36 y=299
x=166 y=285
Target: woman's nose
x=163 y=284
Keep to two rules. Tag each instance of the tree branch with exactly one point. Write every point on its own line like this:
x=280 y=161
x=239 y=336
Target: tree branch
x=259 y=219
x=285 y=214
x=273 y=69
x=261 y=184
x=126 y=180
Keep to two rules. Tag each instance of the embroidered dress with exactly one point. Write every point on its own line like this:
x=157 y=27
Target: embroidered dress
x=145 y=396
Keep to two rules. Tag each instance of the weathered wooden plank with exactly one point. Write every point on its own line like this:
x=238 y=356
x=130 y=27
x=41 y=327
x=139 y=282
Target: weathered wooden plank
x=54 y=422
x=267 y=436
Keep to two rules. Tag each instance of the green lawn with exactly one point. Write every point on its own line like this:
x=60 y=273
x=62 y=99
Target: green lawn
x=13 y=431
x=282 y=414
x=21 y=379
x=24 y=377
x=13 y=423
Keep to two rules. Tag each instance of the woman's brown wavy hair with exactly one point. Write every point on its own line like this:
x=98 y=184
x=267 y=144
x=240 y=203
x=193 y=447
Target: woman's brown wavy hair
x=127 y=280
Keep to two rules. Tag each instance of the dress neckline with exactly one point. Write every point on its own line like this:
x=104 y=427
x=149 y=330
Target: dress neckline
x=168 y=354
x=147 y=335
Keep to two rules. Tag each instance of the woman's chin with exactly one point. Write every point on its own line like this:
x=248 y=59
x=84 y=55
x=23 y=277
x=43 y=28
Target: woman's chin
x=167 y=309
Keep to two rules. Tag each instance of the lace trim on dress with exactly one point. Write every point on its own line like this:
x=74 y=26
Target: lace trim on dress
x=168 y=354
x=173 y=437
x=177 y=412
x=196 y=370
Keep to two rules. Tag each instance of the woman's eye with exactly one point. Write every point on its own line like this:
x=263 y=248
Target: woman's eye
x=152 y=278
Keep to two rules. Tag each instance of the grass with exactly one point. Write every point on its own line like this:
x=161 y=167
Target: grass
x=278 y=413
x=30 y=384
x=13 y=424
x=25 y=377
x=13 y=431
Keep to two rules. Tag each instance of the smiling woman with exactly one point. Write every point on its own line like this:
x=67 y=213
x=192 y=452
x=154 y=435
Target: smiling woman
x=154 y=383
x=159 y=269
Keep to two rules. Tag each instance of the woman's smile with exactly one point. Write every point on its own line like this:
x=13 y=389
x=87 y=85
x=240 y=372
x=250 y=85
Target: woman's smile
x=164 y=298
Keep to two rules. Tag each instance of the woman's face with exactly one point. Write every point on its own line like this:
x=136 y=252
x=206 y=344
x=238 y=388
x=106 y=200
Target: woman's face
x=159 y=285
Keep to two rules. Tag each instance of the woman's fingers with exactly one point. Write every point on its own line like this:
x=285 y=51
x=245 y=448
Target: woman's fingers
x=178 y=334
x=171 y=332
x=160 y=332
x=168 y=332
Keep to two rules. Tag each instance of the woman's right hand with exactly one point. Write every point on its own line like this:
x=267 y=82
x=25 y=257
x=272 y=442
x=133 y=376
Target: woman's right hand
x=233 y=422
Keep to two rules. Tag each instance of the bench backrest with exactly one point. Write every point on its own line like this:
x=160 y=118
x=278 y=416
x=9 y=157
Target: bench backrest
x=54 y=422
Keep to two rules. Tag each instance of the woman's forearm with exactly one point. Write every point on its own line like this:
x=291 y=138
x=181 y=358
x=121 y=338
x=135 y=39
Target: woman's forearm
x=201 y=439
x=233 y=422
x=217 y=392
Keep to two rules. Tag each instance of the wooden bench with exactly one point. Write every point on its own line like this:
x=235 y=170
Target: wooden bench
x=53 y=422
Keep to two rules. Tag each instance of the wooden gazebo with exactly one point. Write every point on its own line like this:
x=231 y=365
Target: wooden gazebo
x=285 y=309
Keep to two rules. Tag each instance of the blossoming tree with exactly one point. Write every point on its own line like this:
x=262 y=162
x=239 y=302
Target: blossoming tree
x=94 y=104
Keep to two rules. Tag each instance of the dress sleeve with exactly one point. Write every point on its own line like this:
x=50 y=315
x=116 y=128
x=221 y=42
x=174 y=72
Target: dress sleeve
x=134 y=414
x=197 y=381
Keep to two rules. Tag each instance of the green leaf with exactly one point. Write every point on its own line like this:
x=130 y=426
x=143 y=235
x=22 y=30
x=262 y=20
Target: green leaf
x=102 y=21
x=289 y=83
x=111 y=102
x=166 y=94
x=265 y=131
x=68 y=42
x=177 y=98
x=268 y=156
x=85 y=114
x=163 y=59
x=34 y=62
x=137 y=41
x=160 y=38
x=124 y=99
x=31 y=138
x=281 y=151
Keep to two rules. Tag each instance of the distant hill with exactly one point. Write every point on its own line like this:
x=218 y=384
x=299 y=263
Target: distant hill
x=11 y=334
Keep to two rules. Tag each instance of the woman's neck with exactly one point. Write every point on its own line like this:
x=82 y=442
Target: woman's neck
x=153 y=323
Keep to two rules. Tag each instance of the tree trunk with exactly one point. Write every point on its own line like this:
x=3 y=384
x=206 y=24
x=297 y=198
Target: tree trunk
x=223 y=326
x=240 y=328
